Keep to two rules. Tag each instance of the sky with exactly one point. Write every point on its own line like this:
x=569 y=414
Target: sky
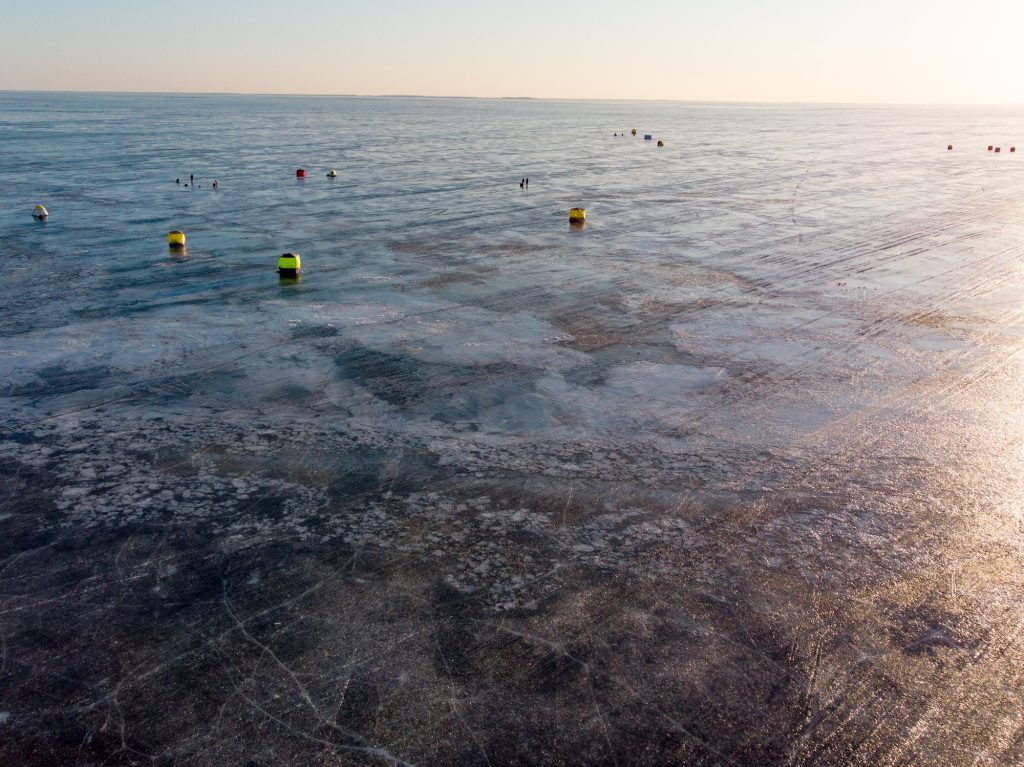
x=859 y=51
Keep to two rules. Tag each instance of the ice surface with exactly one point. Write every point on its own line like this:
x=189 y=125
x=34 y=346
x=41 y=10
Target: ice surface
x=730 y=476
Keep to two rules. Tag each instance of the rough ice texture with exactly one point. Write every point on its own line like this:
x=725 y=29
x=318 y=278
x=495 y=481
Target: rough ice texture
x=729 y=477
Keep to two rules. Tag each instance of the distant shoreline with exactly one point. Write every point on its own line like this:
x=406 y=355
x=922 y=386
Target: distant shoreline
x=723 y=102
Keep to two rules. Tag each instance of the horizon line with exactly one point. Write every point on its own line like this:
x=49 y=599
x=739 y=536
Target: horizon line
x=513 y=98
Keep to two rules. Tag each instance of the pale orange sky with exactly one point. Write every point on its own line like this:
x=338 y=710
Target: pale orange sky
x=906 y=51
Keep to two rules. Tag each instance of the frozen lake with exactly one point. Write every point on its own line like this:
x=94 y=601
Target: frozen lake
x=732 y=475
